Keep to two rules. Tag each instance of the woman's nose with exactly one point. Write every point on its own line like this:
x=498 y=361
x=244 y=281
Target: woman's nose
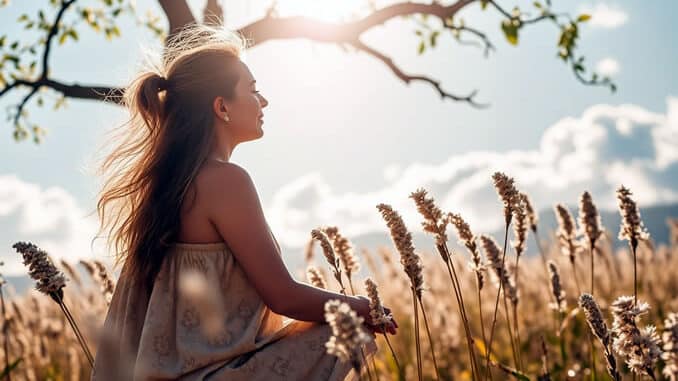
x=264 y=101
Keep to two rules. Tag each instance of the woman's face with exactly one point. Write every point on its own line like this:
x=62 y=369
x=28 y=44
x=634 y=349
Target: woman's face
x=245 y=108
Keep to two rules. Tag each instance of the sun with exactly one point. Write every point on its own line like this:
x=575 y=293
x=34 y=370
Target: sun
x=326 y=10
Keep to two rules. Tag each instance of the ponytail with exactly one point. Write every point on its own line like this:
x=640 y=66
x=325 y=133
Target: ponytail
x=162 y=146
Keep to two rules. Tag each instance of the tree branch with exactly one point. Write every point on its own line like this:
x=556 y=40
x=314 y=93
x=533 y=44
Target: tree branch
x=178 y=15
x=388 y=61
x=100 y=93
x=52 y=32
x=277 y=28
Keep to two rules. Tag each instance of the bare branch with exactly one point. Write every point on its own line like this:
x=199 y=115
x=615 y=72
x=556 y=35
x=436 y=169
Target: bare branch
x=21 y=105
x=485 y=43
x=100 y=93
x=276 y=28
x=388 y=61
x=52 y=32
x=178 y=15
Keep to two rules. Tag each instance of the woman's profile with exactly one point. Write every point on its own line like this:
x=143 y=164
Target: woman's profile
x=203 y=290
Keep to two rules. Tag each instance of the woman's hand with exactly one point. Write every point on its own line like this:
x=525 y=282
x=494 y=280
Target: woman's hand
x=380 y=328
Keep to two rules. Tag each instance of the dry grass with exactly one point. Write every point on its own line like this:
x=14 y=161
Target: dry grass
x=554 y=340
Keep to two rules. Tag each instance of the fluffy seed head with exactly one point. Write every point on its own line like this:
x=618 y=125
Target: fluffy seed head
x=49 y=279
x=531 y=214
x=589 y=219
x=348 y=334
x=344 y=250
x=557 y=288
x=520 y=225
x=595 y=320
x=434 y=221
x=507 y=192
x=377 y=314
x=594 y=317
x=325 y=244
x=107 y=285
x=639 y=348
x=566 y=233
x=632 y=228
x=670 y=346
x=494 y=256
x=315 y=277
x=467 y=238
x=402 y=239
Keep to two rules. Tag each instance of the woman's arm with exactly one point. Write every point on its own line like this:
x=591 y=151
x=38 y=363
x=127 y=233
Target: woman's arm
x=236 y=212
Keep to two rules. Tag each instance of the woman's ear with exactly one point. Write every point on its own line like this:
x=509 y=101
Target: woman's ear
x=219 y=108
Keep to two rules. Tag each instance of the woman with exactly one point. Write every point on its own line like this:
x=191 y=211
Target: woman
x=203 y=290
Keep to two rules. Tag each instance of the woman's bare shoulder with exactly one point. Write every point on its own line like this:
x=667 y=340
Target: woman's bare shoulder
x=217 y=180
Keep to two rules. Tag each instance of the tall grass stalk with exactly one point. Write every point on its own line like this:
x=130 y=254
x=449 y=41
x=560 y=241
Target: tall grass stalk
x=496 y=302
x=330 y=255
x=435 y=222
x=430 y=338
x=469 y=240
x=5 y=328
x=416 y=333
x=475 y=371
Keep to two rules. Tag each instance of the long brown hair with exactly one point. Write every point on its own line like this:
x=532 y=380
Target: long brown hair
x=163 y=144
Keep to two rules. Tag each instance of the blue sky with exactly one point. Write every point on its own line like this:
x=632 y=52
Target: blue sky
x=342 y=133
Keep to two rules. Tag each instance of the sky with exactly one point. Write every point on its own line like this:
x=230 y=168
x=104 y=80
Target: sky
x=343 y=134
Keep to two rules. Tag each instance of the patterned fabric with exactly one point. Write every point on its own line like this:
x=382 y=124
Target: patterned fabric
x=161 y=337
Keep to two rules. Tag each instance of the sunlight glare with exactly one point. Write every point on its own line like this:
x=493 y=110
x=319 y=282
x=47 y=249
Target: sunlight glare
x=325 y=10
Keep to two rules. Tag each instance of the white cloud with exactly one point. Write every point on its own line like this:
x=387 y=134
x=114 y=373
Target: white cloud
x=605 y=16
x=50 y=217
x=608 y=67
x=597 y=151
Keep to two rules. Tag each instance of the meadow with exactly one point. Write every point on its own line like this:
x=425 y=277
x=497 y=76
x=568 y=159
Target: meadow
x=577 y=310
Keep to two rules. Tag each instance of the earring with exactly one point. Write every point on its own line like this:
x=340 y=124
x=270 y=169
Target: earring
x=226 y=118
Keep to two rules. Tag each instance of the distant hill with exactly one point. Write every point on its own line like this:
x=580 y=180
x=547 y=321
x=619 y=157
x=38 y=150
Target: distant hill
x=654 y=218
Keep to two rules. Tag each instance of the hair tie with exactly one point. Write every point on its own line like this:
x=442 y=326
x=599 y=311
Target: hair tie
x=163 y=83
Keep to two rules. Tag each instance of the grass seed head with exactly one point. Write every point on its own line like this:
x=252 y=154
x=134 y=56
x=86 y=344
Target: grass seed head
x=315 y=277
x=348 y=334
x=49 y=280
x=434 y=220
x=344 y=250
x=670 y=346
x=589 y=219
x=557 y=288
x=507 y=192
x=632 y=228
x=402 y=240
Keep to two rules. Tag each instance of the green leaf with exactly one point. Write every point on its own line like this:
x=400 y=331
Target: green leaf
x=3 y=39
x=422 y=47
x=23 y=17
x=62 y=38
x=583 y=18
x=73 y=33
x=433 y=38
x=538 y=5
x=9 y=368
